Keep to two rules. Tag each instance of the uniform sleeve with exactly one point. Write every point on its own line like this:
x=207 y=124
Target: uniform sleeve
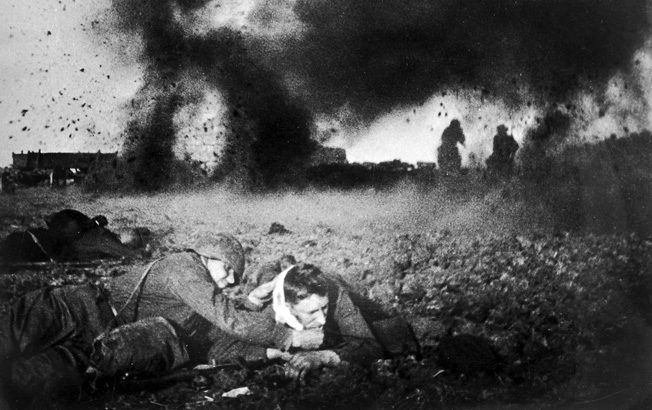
x=229 y=349
x=359 y=344
x=191 y=283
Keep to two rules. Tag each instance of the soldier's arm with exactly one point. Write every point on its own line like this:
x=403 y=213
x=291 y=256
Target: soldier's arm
x=191 y=283
x=229 y=349
x=360 y=345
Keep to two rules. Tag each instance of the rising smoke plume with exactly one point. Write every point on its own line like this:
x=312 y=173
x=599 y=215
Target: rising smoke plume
x=268 y=137
x=296 y=59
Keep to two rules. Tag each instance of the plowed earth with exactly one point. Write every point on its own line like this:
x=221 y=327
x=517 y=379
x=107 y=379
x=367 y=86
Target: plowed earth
x=571 y=313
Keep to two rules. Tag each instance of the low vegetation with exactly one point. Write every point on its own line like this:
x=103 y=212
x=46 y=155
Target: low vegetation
x=555 y=272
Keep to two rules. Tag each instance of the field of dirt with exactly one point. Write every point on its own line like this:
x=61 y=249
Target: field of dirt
x=571 y=312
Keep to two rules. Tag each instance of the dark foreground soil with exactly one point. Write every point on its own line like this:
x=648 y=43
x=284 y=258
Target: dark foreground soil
x=570 y=313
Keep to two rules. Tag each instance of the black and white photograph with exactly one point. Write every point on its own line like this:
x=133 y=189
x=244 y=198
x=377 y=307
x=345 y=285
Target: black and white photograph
x=325 y=204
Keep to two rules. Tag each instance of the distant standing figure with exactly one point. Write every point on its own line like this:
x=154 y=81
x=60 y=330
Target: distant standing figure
x=501 y=161
x=58 y=177
x=7 y=184
x=448 y=156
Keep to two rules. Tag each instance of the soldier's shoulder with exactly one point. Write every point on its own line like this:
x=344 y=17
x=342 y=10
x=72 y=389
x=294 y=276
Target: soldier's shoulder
x=181 y=259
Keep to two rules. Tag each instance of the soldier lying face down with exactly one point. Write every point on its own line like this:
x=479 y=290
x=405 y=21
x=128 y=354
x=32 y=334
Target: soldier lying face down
x=70 y=236
x=84 y=238
x=305 y=299
x=47 y=337
x=70 y=224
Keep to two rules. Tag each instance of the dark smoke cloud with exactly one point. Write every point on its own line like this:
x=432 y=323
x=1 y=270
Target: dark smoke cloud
x=151 y=134
x=269 y=132
x=376 y=55
x=270 y=129
x=149 y=149
x=373 y=56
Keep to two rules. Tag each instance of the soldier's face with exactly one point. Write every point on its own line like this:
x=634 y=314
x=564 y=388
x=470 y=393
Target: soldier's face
x=222 y=274
x=311 y=311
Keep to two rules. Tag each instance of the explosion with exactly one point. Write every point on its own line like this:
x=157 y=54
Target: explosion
x=271 y=73
x=264 y=135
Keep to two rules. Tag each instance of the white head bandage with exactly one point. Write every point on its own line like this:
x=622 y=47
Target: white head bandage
x=282 y=313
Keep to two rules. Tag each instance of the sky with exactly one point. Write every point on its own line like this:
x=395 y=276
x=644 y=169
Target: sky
x=64 y=83
x=69 y=77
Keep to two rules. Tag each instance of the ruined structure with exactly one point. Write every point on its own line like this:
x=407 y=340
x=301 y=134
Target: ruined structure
x=328 y=155
x=50 y=160
x=60 y=164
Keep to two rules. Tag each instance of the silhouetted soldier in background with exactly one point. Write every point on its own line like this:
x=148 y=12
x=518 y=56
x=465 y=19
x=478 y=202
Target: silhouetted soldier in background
x=501 y=162
x=448 y=156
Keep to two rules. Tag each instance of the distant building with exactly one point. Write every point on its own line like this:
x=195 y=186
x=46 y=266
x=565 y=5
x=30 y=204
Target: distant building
x=395 y=166
x=51 y=160
x=328 y=155
x=59 y=165
x=431 y=166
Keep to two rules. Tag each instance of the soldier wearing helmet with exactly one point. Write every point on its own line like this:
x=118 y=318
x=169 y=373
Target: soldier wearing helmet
x=354 y=330
x=448 y=156
x=501 y=162
x=186 y=288
x=223 y=256
x=47 y=340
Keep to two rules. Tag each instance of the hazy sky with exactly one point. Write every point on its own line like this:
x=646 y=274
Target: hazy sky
x=68 y=79
x=63 y=81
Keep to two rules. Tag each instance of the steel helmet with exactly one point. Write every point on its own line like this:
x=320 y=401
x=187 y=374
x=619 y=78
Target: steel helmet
x=222 y=246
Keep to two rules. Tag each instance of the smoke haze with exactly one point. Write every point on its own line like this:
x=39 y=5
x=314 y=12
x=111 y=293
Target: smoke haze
x=269 y=76
x=379 y=55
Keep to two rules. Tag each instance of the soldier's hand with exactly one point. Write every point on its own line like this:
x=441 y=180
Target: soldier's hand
x=277 y=354
x=302 y=363
x=262 y=293
x=308 y=339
